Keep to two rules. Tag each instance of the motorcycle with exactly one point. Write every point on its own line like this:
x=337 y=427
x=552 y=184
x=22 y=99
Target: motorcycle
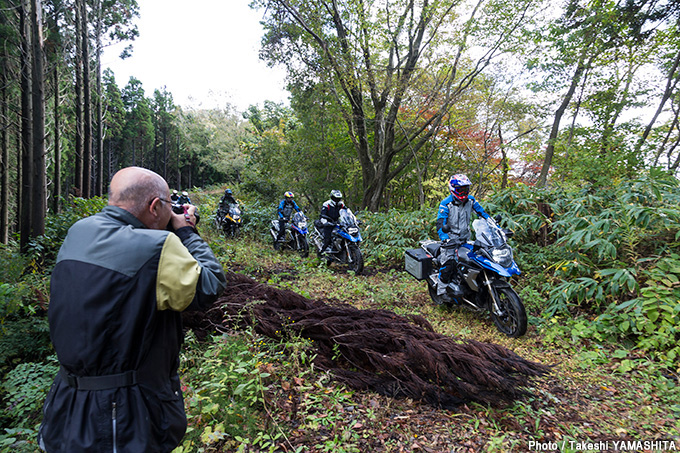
x=485 y=266
x=295 y=236
x=229 y=220
x=344 y=243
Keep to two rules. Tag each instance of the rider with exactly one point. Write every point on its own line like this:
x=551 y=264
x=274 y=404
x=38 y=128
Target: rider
x=330 y=213
x=453 y=228
x=227 y=200
x=285 y=210
x=175 y=196
x=184 y=198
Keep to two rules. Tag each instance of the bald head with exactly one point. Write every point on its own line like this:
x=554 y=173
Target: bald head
x=132 y=189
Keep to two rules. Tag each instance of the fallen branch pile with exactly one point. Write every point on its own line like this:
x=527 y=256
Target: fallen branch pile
x=398 y=356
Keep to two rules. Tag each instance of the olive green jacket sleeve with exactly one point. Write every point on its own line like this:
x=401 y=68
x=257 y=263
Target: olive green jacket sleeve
x=189 y=275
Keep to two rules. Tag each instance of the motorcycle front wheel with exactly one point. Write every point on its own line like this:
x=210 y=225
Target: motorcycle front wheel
x=357 y=263
x=303 y=246
x=512 y=317
x=231 y=230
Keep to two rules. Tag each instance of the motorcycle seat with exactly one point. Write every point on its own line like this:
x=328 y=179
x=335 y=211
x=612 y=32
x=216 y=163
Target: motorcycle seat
x=463 y=252
x=433 y=248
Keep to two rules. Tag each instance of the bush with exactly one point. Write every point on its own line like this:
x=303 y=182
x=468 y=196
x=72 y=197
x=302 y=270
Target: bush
x=23 y=392
x=387 y=234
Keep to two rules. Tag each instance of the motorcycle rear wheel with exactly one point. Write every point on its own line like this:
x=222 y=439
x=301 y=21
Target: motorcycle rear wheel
x=512 y=319
x=439 y=299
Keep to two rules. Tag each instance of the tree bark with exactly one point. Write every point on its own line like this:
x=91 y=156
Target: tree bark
x=671 y=83
x=99 y=147
x=87 y=105
x=39 y=197
x=4 y=155
x=550 y=149
x=26 y=126
x=56 y=194
x=78 y=68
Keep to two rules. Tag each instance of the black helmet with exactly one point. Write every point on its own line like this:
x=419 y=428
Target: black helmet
x=227 y=192
x=336 y=195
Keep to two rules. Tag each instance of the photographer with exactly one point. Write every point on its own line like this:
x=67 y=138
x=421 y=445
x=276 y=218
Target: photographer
x=115 y=320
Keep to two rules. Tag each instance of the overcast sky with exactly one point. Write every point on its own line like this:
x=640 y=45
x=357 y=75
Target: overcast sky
x=205 y=52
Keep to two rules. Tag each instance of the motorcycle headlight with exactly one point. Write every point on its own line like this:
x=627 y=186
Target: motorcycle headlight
x=236 y=217
x=502 y=256
x=302 y=225
x=352 y=230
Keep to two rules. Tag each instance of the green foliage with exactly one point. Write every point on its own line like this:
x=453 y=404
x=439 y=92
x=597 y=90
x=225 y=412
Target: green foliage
x=222 y=387
x=42 y=251
x=256 y=219
x=13 y=291
x=24 y=339
x=224 y=390
x=387 y=234
x=23 y=392
x=652 y=320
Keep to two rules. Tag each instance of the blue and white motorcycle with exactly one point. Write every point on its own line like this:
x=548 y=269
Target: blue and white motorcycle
x=485 y=266
x=344 y=243
x=295 y=237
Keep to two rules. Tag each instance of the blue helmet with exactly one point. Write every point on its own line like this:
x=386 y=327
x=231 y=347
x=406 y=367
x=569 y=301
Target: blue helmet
x=459 y=186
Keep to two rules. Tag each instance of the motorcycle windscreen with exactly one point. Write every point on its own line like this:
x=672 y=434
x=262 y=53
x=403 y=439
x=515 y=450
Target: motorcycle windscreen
x=487 y=236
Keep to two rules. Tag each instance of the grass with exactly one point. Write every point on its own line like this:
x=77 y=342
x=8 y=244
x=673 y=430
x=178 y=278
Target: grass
x=586 y=399
x=252 y=394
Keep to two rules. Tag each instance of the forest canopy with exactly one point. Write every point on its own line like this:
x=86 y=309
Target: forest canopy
x=387 y=99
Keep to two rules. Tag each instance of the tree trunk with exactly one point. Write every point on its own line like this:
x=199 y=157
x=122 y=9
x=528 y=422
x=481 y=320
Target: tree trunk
x=87 y=106
x=26 y=126
x=56 y=194
x=4 y=155
x=505 y=166
x=550 y=149
x=78 y=68
x=667 y=137
x=39 y=197
x=99 y=186
x=671 y=83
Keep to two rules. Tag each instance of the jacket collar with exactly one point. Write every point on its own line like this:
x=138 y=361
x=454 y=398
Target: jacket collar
x=121 y=215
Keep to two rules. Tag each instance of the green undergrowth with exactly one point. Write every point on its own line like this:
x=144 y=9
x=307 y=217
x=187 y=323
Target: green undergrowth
x=600 y=281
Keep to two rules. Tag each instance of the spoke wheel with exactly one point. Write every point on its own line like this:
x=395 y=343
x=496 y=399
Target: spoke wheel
x=512 y=317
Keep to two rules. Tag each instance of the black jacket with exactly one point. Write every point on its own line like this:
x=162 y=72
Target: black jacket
x=117 y=291
x=331 y=210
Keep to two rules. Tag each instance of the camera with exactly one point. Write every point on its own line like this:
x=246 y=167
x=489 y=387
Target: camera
x=179 y=209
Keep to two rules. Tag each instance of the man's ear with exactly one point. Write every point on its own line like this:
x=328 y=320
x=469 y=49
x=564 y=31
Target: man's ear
x=153 y=207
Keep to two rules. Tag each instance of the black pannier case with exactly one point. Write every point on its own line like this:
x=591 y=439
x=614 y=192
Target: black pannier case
x=418 y=263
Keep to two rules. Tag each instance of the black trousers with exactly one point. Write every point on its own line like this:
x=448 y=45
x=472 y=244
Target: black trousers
x=449 y=269
x=327 y=236
x=282 y=229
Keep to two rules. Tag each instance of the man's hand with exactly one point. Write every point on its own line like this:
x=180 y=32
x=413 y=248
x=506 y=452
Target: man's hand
x=188 y=218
